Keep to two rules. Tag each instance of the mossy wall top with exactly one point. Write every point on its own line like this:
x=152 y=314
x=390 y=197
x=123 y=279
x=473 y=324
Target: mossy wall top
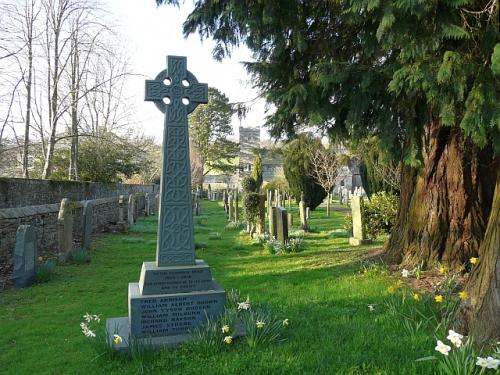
x=20 y=192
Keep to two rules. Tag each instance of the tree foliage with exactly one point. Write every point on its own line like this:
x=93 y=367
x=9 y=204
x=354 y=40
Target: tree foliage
x=209 y=128
x=297 y=167
x=248 y=184
x=257 y=171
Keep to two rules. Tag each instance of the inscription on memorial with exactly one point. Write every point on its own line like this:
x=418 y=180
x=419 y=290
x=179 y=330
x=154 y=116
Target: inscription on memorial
x=162 y=315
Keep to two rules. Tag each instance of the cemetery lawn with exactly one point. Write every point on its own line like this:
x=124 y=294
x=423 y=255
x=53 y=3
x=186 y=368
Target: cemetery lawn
x=324 y=291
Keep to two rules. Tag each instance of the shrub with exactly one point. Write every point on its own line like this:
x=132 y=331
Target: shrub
x=251 y=204
x=80 y=256
x=248 y=184
x=297 y=167
x=380 y=214
x=45 y=270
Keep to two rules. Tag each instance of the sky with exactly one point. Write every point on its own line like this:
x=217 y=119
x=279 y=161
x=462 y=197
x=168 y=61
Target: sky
x=150 y=33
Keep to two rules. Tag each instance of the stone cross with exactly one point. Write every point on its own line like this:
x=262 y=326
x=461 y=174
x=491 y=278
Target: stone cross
x=176 y=93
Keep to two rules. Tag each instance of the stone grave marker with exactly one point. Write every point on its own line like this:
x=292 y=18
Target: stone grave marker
x=230 y=205
x=65 y=230
x=25 y=254
x=261 y=220
x=358 y=224
x=176 y=293
x=302 y=213
x=290 y=220
x=281 y=224
x=271 y=217
x=236 y=207
x=225 y=198
x=87 y=225
x=122 y=225
x=131 y=210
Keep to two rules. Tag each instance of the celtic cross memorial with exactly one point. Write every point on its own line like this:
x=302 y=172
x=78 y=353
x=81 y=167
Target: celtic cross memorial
x=176 y=293
x=181 y=90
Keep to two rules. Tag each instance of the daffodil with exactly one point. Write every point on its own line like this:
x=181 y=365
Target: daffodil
x=243 y=305
x=260 y=324
x=463 y=295
x=117 y=339
x=371 y=307
x=488 y=362
x=416 y=296
x=40 y=259
x=405 y=272
x=455 y=338
x=391 y=290
x=474 y=260
x=225 y=329
x=228 y=339
x=87 y=317
x=443 y=269
x=285 y=322
x=442 y=348
x=439 y=298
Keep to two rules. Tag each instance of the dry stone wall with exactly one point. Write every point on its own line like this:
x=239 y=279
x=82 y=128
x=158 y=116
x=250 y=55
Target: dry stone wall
x=19 y=192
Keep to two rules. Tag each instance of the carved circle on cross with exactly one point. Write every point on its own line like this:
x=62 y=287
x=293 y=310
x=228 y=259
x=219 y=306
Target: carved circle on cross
x=176 y=90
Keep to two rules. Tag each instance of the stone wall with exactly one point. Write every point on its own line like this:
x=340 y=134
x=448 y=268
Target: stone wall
x=43 y=218
x=19 y=192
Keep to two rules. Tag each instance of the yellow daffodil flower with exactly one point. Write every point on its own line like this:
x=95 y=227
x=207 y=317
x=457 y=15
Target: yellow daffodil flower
x=474 y=260
x=463 y=295
x=228 y=339
x=391 y=290
x=225 y=329
x=416 y=296
x=439 y=298
x=117 y=339
x=260 y=324
x=442 y=270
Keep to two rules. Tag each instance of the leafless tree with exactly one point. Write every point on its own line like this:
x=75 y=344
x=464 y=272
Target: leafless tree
x=324 y=169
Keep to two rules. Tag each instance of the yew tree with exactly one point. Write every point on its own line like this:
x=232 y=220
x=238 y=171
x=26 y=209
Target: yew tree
x=423 y=77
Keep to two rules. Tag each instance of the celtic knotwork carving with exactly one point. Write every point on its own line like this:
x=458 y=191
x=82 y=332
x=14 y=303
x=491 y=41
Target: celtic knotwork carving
x=176 y=244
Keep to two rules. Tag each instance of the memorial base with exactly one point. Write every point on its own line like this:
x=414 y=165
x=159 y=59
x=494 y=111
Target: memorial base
x=358 y=242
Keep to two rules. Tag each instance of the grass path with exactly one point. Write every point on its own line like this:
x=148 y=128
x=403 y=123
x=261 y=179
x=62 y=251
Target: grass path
x=321 y=291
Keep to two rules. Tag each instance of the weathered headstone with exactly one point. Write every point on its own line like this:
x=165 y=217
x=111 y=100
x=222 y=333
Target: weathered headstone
x=307 y=213
x=230 y=205
x=122 y=225
x=176 y=293
x=271 y=217
x=261 y=220
x=225 y=198
x=281 y=224
x=65 y=230
x=358 y=225
x=25 y=254
x=236 y=208
x=302 y=213
x=131 y=210
x=290 y=220
x=87 y=225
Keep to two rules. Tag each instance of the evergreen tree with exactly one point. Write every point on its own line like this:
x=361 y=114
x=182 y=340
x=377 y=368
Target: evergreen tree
x=422 y=76
x=257 y=171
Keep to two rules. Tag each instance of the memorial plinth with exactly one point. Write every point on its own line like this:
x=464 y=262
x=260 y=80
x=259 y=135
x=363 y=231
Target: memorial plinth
x=176 y=293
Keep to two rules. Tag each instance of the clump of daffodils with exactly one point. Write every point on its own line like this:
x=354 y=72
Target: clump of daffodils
x=86 y=324
x=488 y=362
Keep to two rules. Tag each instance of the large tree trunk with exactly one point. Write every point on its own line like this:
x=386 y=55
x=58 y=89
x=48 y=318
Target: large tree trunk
x=445 y=205
x=479 y=315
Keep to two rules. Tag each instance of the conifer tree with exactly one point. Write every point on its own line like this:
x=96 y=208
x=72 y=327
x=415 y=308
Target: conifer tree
x=422 y=76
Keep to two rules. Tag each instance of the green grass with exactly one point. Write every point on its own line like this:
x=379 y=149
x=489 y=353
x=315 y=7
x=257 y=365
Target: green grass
x=320 y=290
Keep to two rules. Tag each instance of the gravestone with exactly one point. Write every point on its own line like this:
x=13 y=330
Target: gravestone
x=147 y=208
x=271 y=217
x=236 y=208
x=302 y=213
x=261 y=220
x=307 y=213
x=230 y=204
x=358 y=225
x=281 y=224
x=290 y=220
x=176 y=293
x=122 y=225
x=131 y=210
x=225 y=198
x=87 y=225
x=65 y=230
x=25 y=254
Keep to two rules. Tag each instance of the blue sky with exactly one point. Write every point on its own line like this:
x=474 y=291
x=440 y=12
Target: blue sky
x=150 y=33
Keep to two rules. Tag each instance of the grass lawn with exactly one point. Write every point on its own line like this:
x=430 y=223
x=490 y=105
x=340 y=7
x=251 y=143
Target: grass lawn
x=322 y=291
